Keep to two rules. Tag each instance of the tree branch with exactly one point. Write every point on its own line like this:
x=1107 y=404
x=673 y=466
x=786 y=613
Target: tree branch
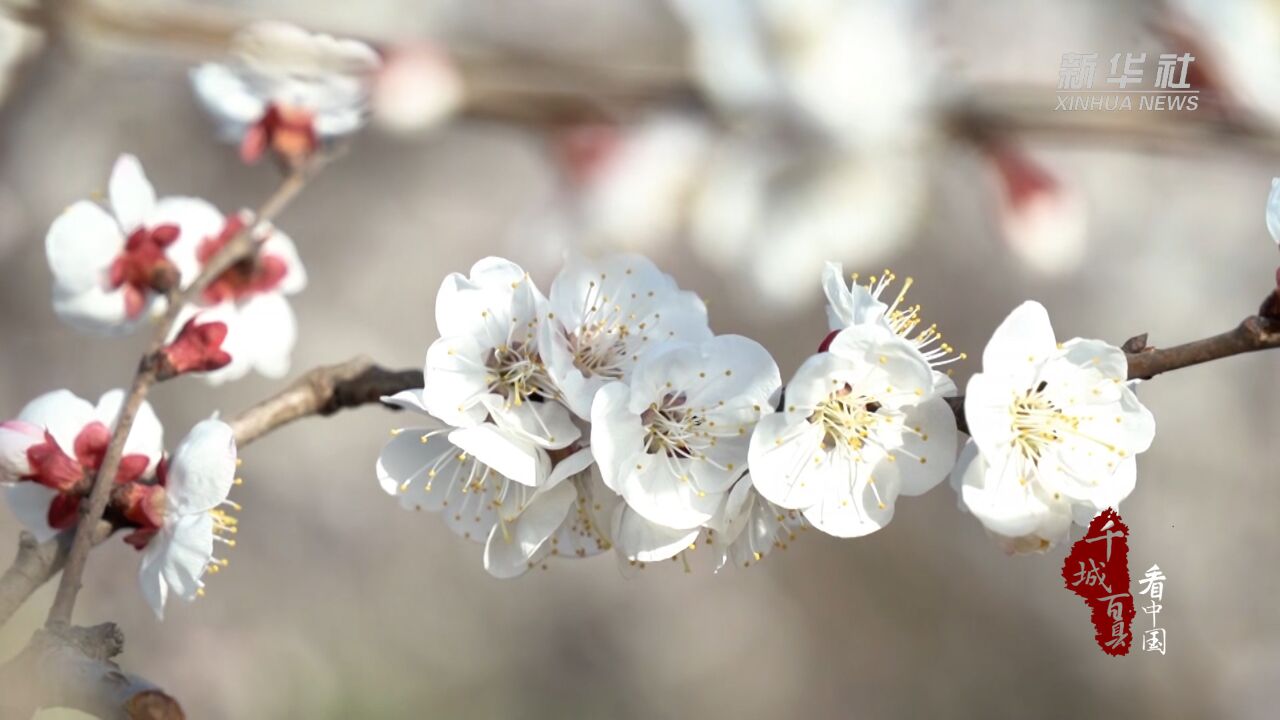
x=323 y=391
x=72 y=667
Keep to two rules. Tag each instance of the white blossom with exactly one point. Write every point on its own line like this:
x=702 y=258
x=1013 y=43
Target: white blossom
x=750 y=527
x=53 y=450
x=490 y=485
x=196 y=485
x=605 y=316
x=1055 y=426
x=287 y=88
x=110 y=268
x=861 y=424
x=487 y=362
x=854 y=305
x=674 y=439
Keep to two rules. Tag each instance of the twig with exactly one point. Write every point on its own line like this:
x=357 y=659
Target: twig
x=240 y=246
x=323 y=391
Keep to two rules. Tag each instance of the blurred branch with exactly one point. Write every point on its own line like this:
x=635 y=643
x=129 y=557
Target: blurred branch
x=73 y=667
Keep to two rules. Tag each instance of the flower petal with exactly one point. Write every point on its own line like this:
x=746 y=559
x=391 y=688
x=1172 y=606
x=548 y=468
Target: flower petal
x=782 y=461
x=1024 y=339
x=29 y=502
x=511 y=546
x=515 y=458
x=132 y=196
x=643 y=541
x=81 y=245
x=203 y=468
x=62 y=413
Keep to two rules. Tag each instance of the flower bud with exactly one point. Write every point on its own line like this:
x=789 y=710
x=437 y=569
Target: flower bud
x=198 y=348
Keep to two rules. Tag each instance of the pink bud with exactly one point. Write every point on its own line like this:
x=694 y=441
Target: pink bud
x=198 y=348
x=16 y=437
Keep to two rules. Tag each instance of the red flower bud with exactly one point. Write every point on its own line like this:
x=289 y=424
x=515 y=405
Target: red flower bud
x=198 y=348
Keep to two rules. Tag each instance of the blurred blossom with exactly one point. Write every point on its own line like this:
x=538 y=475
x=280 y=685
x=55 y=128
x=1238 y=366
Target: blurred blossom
x=635 y=187
x=1237 y=48
x=287 y=90
x=1043 y=219
x=110 y=269
x=853 y=70
x=416 y=88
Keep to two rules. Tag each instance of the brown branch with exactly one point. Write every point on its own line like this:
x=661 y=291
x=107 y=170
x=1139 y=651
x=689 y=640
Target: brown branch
x=240 y=246
x=73 y=667
x=323 y=391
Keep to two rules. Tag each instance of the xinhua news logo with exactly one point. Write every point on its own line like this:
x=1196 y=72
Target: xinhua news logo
x=1125 y=85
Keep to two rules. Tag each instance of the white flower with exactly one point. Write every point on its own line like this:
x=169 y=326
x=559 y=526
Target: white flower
x=487 y=361
x=417 y=88
x=795 y=56
x=605 y=316
x=110 y=268
x=490 y=485
x=51 y=453
x=1042 y=217
x=250 y=297
x=1273 y=210
x=858 y=305
x=674 y=440
x=1055 y=426
x=750 y=527
x=861 y=424
x=1020 y=521
x=287 y=89
x=780 y=210
x=638 y=188
x=196 y=485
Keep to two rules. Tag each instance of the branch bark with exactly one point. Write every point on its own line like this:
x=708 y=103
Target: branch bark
x=73 y=667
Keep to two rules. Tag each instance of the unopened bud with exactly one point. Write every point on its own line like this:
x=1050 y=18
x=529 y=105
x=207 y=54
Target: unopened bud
x=198 y=348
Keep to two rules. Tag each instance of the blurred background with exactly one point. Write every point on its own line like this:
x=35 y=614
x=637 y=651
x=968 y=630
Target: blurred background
x=591 y=126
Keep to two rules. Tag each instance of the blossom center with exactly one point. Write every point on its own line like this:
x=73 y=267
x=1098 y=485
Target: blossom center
x=143 y=266
x=1039 y=423
x=673 y=429
x=253 y=275
x=517 y=374
x=602 y=341
x=847 y=420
